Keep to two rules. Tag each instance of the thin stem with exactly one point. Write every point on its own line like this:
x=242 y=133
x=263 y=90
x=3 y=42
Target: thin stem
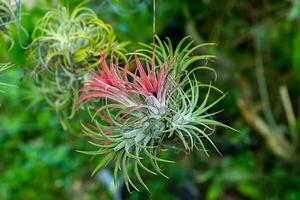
x=262 y=87
x=288 y=108
x=154 y=21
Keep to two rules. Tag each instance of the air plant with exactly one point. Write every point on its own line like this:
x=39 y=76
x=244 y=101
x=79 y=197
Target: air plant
x=8 y=13
x=66 y=46
x=144 y=111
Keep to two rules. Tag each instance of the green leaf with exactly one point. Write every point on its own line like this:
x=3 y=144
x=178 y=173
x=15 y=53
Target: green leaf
x=296 y=51
x=104 y=161
x=215 y=190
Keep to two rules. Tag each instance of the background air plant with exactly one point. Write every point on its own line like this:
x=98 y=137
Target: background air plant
x=146 y=110
x=8 y=13
x=67 y=46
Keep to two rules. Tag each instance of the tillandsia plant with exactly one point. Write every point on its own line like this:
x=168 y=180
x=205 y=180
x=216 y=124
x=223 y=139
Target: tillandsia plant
x=145 y=111
x=8 y=13
x=67 y=46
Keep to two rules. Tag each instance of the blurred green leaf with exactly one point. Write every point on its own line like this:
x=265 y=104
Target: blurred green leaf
x=215 y=190
x=296 y=51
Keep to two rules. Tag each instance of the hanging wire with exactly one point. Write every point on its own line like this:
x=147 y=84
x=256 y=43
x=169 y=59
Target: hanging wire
x=154 y=21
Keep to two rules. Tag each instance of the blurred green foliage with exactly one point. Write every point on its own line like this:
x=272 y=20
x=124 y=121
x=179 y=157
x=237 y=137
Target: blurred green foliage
x=39 y=159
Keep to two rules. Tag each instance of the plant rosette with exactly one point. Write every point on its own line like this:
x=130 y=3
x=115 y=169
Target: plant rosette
x=145 y=106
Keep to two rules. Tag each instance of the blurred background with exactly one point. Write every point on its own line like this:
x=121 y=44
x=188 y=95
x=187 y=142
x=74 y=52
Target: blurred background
x=258 y=65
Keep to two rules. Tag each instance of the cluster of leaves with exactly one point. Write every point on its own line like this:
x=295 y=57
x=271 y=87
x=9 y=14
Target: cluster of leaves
x=184 y=56
x=145 y=107
x=8 y=12
x=66 y=46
